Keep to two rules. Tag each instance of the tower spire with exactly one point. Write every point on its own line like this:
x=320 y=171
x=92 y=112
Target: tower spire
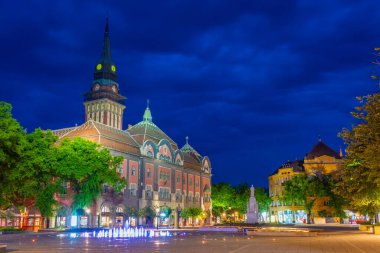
x=147 y=114
x=105 y=68
x=106 y=52
x=104 y=93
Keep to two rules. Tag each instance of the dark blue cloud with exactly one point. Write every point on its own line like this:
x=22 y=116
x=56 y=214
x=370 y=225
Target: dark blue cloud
x=253 y=83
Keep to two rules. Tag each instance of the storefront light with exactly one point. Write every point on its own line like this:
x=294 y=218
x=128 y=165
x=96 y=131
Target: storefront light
x=74 y=221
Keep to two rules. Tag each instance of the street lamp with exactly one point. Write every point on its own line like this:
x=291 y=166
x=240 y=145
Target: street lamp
x=157 y=215
x=230 y=218
x=88 y=211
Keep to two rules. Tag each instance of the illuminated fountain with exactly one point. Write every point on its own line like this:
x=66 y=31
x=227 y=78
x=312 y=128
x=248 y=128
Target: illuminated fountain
x=122 y=232
x=126 y=233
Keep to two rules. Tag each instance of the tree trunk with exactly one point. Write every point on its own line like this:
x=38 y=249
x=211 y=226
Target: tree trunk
x=309 y=217
x=376 y=217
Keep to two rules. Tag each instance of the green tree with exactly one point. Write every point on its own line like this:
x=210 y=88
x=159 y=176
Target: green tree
x=166 y=210
x=263 y=200
x=131 y=212
x=185 y=213
x=222 y=195
x=36 y=173
x=303 y=190
x=195 y=212
x=87 y=167
x=12 y=139
x=192 y=212
x=360 y=174
x=241 y=197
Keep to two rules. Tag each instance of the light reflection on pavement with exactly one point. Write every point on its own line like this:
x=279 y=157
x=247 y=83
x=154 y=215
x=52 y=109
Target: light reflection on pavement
x=194 y=242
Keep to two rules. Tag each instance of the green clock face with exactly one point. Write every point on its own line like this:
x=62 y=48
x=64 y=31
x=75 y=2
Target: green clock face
x=113 y=68
x=99 y=66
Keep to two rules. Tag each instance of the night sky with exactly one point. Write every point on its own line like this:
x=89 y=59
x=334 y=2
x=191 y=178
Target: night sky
x=252 y=83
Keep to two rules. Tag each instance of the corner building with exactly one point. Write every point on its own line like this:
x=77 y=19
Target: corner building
x=158 y=172
x=321 y=158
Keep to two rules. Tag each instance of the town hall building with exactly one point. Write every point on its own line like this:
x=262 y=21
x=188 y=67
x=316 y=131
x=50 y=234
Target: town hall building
x=158 y=172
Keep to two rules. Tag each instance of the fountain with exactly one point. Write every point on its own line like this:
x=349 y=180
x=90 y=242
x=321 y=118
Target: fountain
x=120 y=233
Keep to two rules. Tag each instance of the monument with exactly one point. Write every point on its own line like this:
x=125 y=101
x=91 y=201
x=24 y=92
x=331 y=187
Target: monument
x=252 y=208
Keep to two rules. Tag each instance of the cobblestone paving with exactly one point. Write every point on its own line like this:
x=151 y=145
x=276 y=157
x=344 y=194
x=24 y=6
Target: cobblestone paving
x=336 y=242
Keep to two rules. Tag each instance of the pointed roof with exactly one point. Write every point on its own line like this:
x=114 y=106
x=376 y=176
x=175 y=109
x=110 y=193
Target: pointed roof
x=187 y=148
x=147 y=130
x=321 y=149
x=105 y=69
x=190 y=155
x=147 y=114
x=106 y=51
x=104 y=84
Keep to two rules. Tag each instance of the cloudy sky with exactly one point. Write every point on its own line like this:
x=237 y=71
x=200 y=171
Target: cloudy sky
x=252 y=83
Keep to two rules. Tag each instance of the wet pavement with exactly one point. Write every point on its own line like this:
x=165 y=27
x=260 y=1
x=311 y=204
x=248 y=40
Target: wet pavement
x=192 y=241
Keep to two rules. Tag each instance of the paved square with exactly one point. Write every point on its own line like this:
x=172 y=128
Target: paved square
x=337 y=242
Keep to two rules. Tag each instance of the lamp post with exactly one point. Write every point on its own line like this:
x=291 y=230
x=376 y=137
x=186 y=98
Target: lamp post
x=157 y=215
x=230 y=218
x=88 y=211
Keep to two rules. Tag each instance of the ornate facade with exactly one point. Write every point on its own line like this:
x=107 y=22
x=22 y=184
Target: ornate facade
x=158 y=172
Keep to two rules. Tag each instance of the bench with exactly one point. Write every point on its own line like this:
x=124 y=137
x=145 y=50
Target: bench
x=3 y=248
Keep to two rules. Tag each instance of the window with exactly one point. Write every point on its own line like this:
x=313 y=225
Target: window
x=148 y=189
x=178 y=179
x=133 y=190
x=164 y=176
x=119 y=209
x=190 y=196
x=120 y=169
x=164 y=193
x=133 y=172
x=105 y=209
x=196 y=183
x=197 y=196
x=148 y=173
x=190 y=182
x=178 y=196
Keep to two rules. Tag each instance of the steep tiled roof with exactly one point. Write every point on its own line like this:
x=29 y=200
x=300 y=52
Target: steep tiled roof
x=297 y=166
x=190 y=155
x=321 y=149
x=147 y=130
x=102 y=134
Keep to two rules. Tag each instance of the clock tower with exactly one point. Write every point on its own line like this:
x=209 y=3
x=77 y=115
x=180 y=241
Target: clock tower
x=104 y=102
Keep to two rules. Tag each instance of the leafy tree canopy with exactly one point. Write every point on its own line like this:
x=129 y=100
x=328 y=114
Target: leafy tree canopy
x=87 y=167
x=12 y=138
x=226 y=198
x=263 y=200
x=360 y=175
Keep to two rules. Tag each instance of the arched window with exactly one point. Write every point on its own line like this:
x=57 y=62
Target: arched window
x=105 y=209
x=148 y=173
x=133 y=172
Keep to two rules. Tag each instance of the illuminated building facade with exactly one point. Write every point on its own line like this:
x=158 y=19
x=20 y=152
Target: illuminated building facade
x=321 y=159
x=158 y=172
